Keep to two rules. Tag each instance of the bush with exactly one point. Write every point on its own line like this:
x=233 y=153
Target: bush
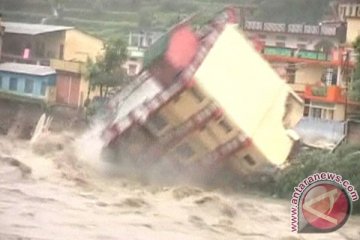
x=345 y=162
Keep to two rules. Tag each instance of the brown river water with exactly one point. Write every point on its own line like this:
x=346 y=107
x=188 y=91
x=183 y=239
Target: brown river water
x=61 y=190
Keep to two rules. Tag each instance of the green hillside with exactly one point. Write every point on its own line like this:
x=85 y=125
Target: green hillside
x=115 y=18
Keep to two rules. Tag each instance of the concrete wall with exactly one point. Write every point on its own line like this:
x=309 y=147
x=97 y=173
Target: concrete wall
x=67 y=69
x=353 y=29
x=339 y=112
x=79 y=46
x=353 y=132
x=18 y=119
x=310 y=74
x=21 y=79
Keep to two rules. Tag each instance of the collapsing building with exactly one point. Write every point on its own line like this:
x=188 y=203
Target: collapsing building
x=205 y=97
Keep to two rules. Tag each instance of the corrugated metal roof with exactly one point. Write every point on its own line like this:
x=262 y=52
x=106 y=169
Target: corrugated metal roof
x=32 y=29
x=320 y=133
x=21 y=68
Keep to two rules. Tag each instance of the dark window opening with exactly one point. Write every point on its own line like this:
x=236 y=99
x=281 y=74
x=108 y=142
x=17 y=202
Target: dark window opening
x=29 y=85
x=316 y=113
x=184 y=151
x=198 y=95
x=158 y=122
x=13 y=84
x=225 y=125
x=290 y=73
x=306 y=111
x=249 y=160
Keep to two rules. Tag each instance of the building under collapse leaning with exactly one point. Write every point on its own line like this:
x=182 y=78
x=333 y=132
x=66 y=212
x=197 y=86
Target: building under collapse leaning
x=204 y=97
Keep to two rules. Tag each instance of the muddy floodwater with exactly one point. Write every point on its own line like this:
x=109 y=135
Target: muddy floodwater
x=52 y=193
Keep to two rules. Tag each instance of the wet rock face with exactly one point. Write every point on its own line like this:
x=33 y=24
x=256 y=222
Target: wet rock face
x=17 y=120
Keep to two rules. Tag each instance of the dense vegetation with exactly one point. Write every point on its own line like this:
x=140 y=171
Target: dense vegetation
x=355 y=90
x=345 y=162
x=115 y=18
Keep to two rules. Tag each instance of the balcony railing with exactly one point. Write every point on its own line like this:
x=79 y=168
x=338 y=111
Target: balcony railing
x=5 y=57
x=290 y=28
x=325 y=93
x=290 y=52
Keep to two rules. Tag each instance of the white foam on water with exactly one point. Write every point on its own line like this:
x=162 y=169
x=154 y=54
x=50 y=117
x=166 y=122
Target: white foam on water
x=74 y=199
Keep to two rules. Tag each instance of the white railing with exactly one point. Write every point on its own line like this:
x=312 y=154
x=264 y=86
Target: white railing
x=290 y=28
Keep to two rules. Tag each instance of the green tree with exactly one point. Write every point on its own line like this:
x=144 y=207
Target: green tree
x=107 y=71
x=345 y=162
x=355 y=86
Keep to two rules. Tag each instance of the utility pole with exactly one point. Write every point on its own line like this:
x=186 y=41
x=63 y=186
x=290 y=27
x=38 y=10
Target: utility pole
x=346 y=68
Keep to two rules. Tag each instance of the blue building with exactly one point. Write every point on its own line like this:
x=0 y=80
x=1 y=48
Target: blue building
x=27 y=81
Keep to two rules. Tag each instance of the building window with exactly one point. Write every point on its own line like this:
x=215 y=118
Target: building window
x=306 y=111
x=280 y=44
x=158 y=122
x=291 y=73
x=13 y=84
x=249 y=160
x=184 y=151
x=316 y=113
x=321 y=111
x=225 y=126
x=43 y=88
x=283 y=38
x=197 y=94
x=29 y=86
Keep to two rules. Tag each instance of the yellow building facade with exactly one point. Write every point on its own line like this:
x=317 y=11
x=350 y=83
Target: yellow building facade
x=80 y=46
x=234 y=110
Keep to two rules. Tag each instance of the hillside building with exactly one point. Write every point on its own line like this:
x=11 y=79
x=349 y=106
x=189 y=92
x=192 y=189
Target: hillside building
x=63 y=48
x=204 y=98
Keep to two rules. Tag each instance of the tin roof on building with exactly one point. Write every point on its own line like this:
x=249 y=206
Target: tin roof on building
x=320 y=133
x=29 y=69
x=32 y=29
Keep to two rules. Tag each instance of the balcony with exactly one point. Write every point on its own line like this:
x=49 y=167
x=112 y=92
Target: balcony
x=5 y=57
x=290 y=28
x=332 y=94
x=296 y=53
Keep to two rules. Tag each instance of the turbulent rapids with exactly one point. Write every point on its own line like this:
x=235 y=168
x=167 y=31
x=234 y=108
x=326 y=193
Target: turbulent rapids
x=58 y=188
